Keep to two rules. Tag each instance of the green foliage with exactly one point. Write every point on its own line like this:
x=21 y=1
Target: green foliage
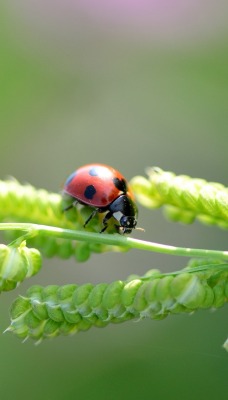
x=37 y=219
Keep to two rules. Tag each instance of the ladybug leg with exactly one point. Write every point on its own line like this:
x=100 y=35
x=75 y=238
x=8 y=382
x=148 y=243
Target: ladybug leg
x=74 y=204
x=105 y=221
x=90 y=217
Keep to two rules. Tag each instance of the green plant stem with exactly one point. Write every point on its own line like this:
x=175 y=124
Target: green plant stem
x=32 y=230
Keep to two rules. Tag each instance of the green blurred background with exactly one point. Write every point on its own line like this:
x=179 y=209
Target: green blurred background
x=130 y=84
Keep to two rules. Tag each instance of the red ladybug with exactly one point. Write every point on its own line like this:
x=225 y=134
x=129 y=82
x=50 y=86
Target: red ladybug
x=106 y=190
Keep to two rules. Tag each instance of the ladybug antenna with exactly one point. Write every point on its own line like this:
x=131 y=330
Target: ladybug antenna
x=140 y=229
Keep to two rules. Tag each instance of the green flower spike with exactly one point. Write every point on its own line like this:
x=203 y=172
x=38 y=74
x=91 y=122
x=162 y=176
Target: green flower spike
x=17 y=264
x=184 y=198
x=52 y=311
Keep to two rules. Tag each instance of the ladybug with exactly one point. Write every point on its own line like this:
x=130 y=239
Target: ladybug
x=106 y=190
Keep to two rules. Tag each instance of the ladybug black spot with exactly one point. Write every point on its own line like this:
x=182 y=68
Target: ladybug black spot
x=120 y=184
x=93 y=172
x=89 y=192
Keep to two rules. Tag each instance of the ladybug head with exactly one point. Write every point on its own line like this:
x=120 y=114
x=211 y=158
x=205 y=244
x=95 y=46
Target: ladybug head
x=124 y=210
x=127 y=224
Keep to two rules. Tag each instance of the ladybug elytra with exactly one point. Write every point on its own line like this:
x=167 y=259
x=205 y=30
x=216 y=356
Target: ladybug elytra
x=106 y=190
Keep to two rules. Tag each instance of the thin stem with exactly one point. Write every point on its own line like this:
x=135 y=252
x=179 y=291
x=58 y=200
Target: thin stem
x=202 y=268
x=114 y=240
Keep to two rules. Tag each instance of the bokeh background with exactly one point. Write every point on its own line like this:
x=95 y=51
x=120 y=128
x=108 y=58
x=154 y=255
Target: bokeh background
x=131 y=84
